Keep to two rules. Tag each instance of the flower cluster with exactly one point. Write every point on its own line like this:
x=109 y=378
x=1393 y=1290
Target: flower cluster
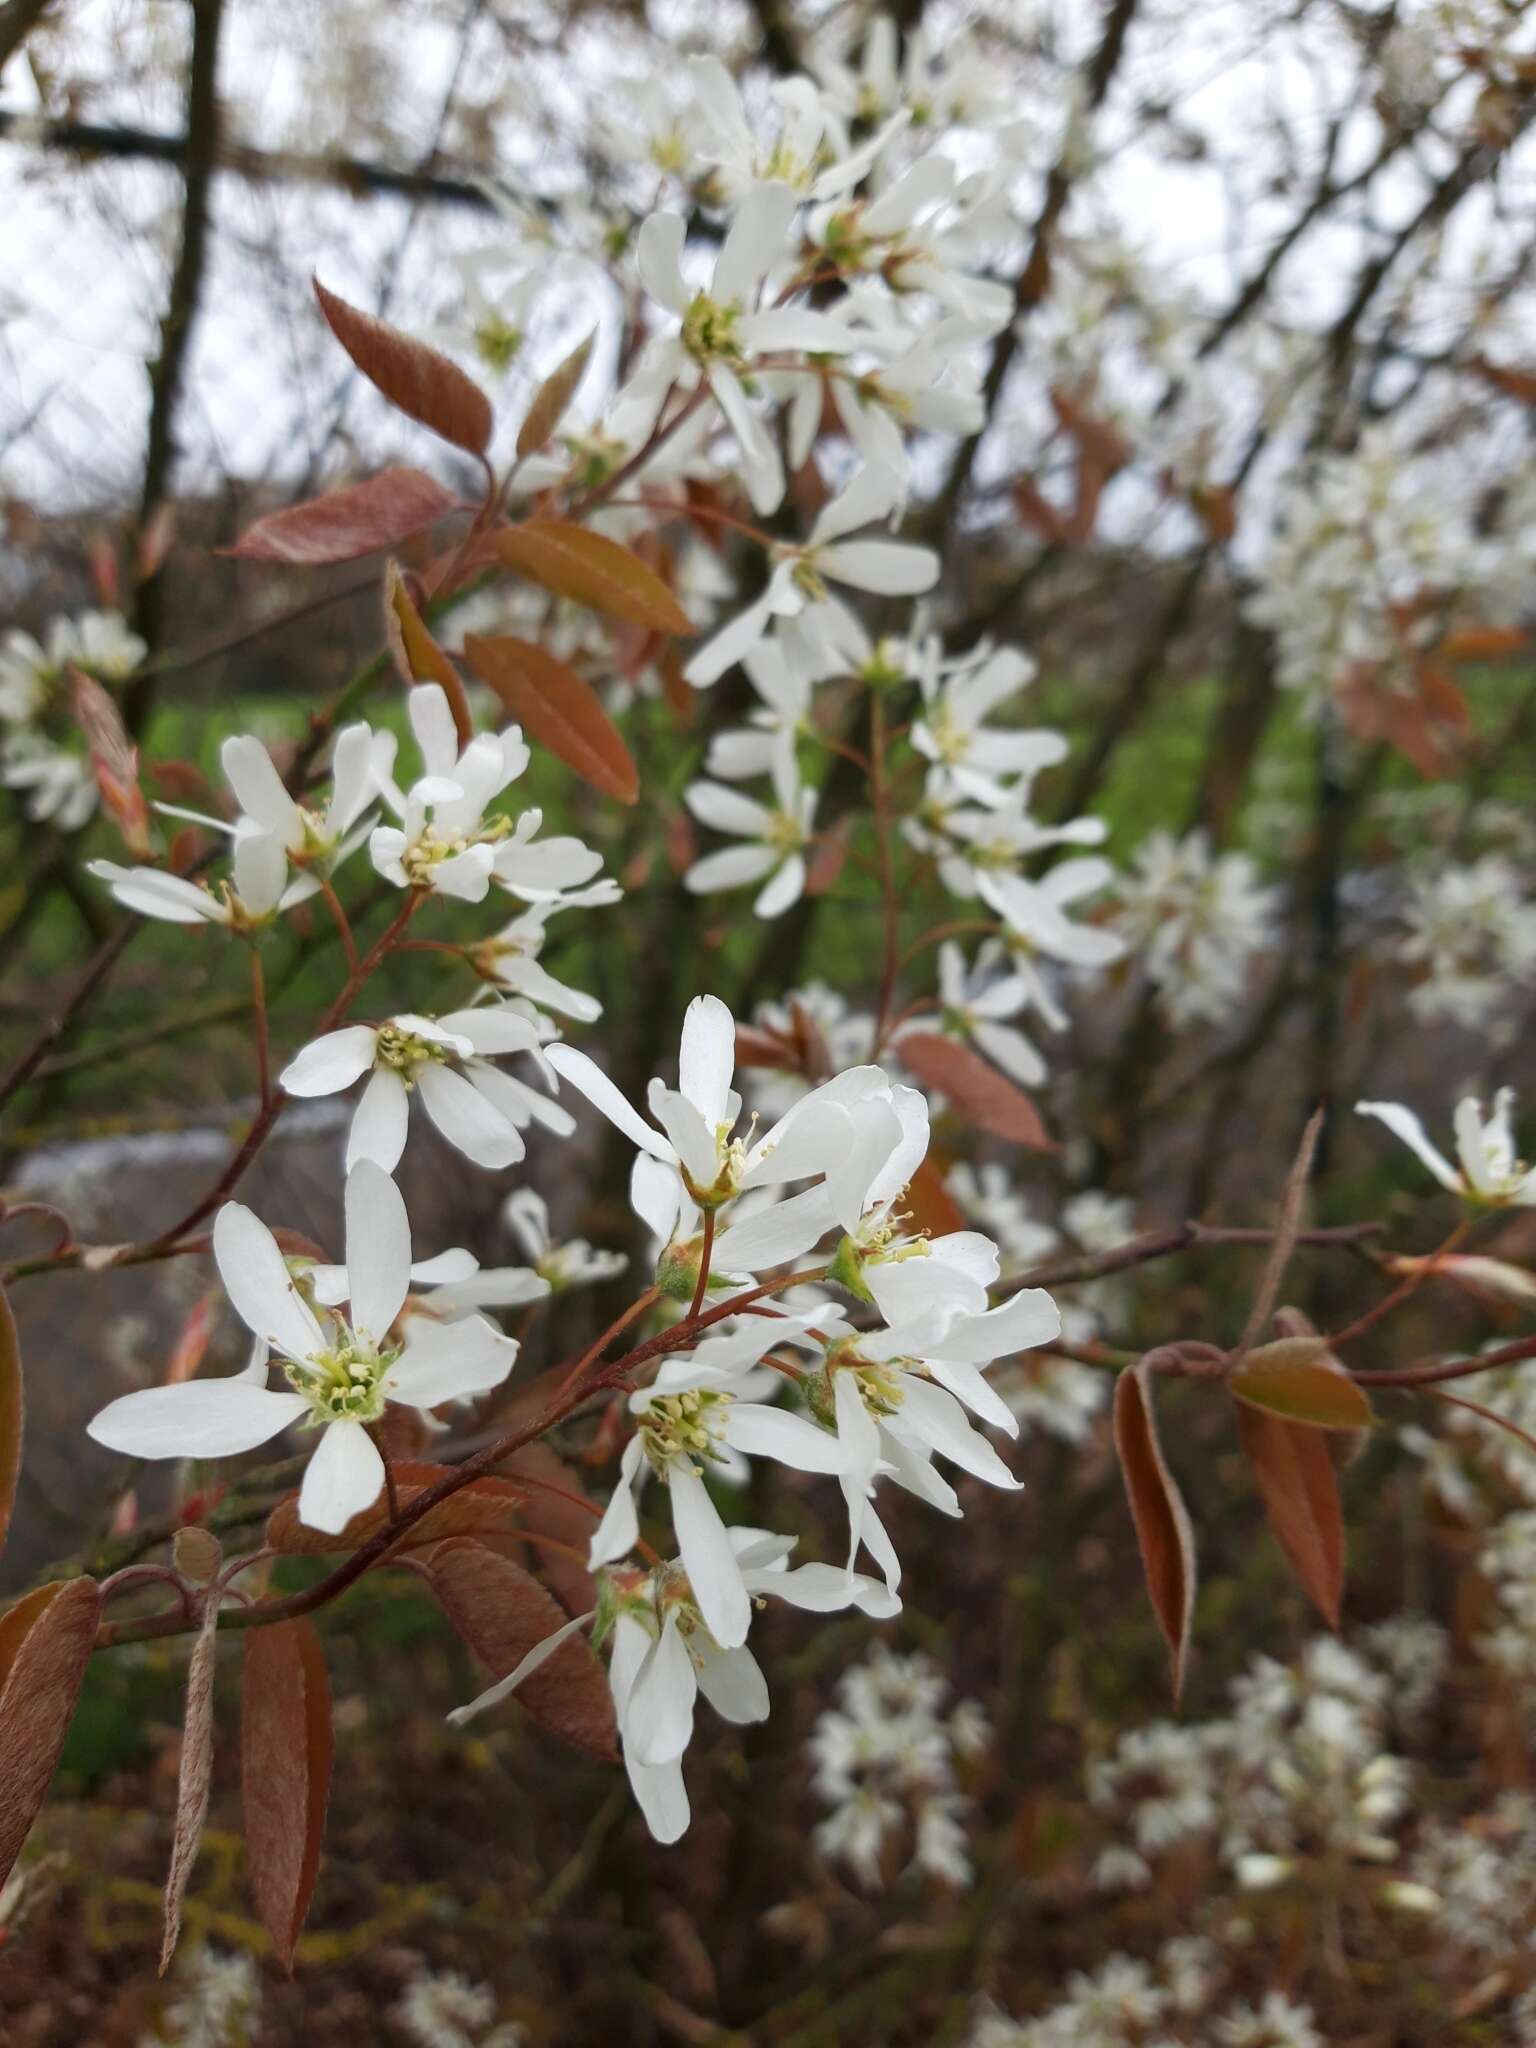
x=1181 y=1996
x=885 y=1761
x=40 y=753
x=1198 y=920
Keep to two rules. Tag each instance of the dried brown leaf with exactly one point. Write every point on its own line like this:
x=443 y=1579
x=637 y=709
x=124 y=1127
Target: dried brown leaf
x=345 y=525
x=552 y=398
x=558 y=708
x=1293 y=1468
x=502 y=1613
x=416 y=380
x=592 y=570
x=417 y=656
x=193 y=1779
x=977 y=1090
x=1164 y=1532
x=285 y=1772
x=483 y=1505
x=46 y=1640
x=12 y=1414
x=1300 y=1379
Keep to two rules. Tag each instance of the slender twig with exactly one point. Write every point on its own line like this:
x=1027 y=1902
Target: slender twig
x=706 y=1252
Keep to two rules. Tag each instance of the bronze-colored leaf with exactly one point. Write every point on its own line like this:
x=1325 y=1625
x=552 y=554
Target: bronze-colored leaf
x=929 y=1203
x=193 y=1778
x=416 y=380
x=344 y=525
x=46 y=1640
x=1300 y=1379
x=484 y=1505
x=552 y=398
x=978 y=1091
x=1293 y=1468
x=593 y=570
x=417 y=656
x=502 y=1613
x=285 y=1774
x=1164 y=1532
x=12 y=1414
x=558 y=708
x=555 y=1508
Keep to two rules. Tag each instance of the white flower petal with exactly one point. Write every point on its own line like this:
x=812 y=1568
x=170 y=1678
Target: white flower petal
x=708 y=1559
x=380 y=1121
x=378 y=1249
x=658 y=1720
x=470 y=1123
x=327 y=1065
x=258 y=1283
x=733 y=1683
x=195 y=1419
x=763 y=1432
x=450 y=1361
x=345 y=1476
x=707 y=1058
x=589 y=1079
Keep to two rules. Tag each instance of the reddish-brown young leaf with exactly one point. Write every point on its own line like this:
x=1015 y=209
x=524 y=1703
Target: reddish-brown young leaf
x=416 y=380
x=191 y=1342
x=1299 y=1487
x=1299 y=1379
x=417 y=656
x=1037 y=511
x=978 y=1091
x=502 y=1613
x=551 y=399
x=114 y=760
x=285 y=1774
x=483 y=1505
x=1484 y=643
x=551 y=1514
x=828 y=856
x=1513 y=383
x=1164 y=1532
x=592 y=570
x=558 y=708
x=344 y=525
x=193 y=1779
x=932 y=1208
x=46 y=1640
x=12 y=1414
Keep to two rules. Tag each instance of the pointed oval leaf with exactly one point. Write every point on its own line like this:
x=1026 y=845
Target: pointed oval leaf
x=193 y=1778
x=344 y=525
x=502 y=1613
x=978 y=1091
x=558 y=708
x=46 y=1640
x=416 y=380
x=593 y=570
x=285 y=1774
x=417 y=656
x=483 y=1506
x=1164 y=1533
x=1298 y=1378
x=555 y=1497
x=552 y=398
x=1294 y=1471
x=12 y=1414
